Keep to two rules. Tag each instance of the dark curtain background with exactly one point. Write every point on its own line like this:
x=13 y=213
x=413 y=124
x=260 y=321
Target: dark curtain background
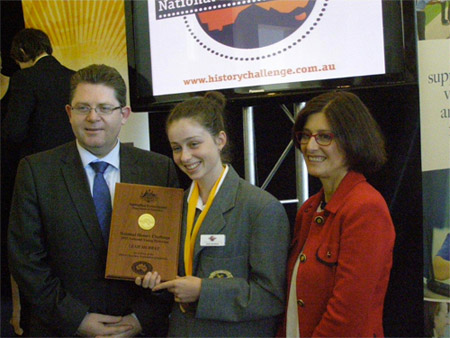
x=11 y=23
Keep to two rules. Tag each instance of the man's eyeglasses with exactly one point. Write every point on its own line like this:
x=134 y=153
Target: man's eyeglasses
x=100 y=109
x=322 y=138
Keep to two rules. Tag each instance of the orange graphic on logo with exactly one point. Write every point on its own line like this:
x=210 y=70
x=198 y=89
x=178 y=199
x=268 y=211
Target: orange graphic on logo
x=216 y=20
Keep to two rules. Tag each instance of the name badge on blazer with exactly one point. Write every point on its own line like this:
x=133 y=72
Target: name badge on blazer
x=212 y=240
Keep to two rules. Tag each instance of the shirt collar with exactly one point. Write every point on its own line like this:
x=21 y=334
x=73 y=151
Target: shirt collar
x=112 y=158
x=200 y=204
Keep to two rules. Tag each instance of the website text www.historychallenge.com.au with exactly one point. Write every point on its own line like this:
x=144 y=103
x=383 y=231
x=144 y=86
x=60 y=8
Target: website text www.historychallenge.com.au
x=262 y=73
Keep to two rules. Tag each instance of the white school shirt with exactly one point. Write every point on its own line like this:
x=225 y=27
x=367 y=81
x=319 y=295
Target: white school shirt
x=200 y=204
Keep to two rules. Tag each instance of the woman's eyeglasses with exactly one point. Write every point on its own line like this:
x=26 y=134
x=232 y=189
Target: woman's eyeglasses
x=322 y=138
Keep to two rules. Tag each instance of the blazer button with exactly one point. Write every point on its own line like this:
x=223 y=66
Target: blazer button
x=319 y=220
x=302 y=258
x=300 y=303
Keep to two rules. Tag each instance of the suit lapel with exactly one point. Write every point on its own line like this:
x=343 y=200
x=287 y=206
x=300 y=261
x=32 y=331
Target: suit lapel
x=78 y=187
x=130 y=171
x=214 y=221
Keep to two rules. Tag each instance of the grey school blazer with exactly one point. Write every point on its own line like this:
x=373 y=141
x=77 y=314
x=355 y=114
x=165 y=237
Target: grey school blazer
x=243 y=284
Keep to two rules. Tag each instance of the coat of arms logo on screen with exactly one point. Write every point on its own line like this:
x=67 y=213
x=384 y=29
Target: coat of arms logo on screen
x=240 y=30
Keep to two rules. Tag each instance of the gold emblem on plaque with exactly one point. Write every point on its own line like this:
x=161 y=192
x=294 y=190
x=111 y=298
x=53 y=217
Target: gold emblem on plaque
x=141 y=268
x=146 y=221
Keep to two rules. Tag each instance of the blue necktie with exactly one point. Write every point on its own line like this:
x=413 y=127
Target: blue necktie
x=102 y=198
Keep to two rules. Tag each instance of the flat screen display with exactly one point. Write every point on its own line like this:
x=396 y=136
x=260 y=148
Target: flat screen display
x=201 y=45
x=253 y=49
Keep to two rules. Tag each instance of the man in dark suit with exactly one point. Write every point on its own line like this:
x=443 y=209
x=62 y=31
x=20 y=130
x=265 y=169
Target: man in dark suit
x=36 y=118
x=57 y=251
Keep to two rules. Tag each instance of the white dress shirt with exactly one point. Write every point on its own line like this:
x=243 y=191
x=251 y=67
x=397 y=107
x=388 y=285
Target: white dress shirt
x=111 y=174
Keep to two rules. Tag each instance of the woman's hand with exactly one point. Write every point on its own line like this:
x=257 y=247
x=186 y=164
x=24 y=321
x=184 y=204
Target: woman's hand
x=150 y=280
x=185 y=289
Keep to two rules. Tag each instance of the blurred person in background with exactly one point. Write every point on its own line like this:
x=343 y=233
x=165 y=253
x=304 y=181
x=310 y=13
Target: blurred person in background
x=36 y=117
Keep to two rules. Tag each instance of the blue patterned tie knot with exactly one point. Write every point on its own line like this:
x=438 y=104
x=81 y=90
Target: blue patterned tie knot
x=99 y=167
x=102 y=198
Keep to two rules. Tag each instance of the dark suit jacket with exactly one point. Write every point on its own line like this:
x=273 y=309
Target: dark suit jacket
x=57 y=253
x=36 y=115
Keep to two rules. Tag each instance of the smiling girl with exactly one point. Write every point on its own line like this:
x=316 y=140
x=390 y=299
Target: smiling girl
x=234 y=239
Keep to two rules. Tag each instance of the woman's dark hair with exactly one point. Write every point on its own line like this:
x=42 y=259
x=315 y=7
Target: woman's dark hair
x=28 y=44
x=208 y=111
x=100 y=74
x=356 y=131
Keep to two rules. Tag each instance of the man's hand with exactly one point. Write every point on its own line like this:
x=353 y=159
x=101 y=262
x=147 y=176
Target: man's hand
x=95 y=324
x=128 y=320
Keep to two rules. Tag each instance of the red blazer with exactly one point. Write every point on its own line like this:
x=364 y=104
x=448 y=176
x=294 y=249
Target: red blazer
x=344 y=274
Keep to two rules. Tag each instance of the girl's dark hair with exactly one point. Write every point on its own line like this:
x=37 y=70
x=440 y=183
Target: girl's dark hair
x=357 y=132
x=29 y=43
x=208 y=111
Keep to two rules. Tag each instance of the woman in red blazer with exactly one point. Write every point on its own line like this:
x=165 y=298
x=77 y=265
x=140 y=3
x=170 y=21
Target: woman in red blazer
x=341 y=253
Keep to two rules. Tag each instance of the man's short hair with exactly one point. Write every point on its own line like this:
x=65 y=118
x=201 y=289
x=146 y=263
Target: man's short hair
x=29 y=43
x=100 y=74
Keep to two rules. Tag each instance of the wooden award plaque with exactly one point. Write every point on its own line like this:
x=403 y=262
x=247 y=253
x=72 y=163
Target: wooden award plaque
x=145 y=232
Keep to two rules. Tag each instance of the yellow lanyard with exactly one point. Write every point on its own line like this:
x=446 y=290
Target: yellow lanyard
x=189 y=242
